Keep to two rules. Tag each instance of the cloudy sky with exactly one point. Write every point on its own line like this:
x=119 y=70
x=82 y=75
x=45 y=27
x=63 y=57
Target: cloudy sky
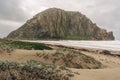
x=105 y=13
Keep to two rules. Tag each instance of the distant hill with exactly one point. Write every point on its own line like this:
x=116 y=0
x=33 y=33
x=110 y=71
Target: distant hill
x=55 y=23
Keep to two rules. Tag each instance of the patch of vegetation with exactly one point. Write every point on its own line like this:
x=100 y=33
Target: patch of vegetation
x=24 y=45
x=29 y=45
x=78 y=37
x=31 y=70
x=6 y=48
x=70 y=58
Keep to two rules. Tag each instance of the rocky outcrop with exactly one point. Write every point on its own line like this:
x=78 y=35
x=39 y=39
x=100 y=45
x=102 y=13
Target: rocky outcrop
x=56 y=23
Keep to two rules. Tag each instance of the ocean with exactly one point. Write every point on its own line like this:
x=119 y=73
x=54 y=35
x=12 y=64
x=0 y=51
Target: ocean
x=106 y=45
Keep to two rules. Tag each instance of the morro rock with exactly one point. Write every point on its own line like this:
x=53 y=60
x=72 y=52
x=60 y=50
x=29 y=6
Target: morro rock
x=58 y=24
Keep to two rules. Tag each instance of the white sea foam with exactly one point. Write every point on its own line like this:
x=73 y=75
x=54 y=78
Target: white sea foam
x=107 y=45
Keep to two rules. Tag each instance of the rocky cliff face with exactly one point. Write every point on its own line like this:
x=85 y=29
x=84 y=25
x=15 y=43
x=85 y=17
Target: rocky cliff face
x=55 y=23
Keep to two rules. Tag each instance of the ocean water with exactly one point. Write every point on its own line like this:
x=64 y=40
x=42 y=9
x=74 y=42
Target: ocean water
x=107 y=45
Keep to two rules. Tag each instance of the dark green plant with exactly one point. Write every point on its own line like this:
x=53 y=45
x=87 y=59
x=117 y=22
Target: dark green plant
x=81 y=37
x=25 y=45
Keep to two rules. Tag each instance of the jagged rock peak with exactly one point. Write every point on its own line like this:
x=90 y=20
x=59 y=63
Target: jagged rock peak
x=55 y=23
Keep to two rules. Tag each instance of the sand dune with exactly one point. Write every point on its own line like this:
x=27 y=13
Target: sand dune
x=99 y=74
x=110 y=72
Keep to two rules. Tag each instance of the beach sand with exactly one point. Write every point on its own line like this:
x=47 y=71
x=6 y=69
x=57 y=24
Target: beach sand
x=111 y=70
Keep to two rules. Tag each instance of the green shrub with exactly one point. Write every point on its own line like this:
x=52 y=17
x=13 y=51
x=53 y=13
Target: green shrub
x=31 y=70
x=25 y=45
x=82 y=37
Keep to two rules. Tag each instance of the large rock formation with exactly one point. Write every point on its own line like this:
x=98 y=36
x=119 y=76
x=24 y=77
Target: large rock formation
x=56 y=23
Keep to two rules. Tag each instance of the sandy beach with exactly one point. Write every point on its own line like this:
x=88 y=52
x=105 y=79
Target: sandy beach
x=112 y=64
x=110 y=71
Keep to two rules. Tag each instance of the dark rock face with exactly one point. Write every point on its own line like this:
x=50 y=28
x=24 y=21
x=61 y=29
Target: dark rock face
x=55 y=23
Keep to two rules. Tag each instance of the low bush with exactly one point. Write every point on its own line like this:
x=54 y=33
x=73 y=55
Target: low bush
x=31 y=70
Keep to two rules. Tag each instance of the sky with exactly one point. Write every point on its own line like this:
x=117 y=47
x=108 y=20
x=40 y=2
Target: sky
x=14 y=13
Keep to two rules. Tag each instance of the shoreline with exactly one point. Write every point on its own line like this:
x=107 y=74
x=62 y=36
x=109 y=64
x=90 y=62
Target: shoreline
x=103 y=45
x=99 y=51
x=63 y=44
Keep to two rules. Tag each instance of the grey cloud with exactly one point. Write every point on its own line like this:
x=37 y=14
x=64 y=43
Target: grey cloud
x=107 y=15
x=7 y=26
x=5 y=30
x=11 y=10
